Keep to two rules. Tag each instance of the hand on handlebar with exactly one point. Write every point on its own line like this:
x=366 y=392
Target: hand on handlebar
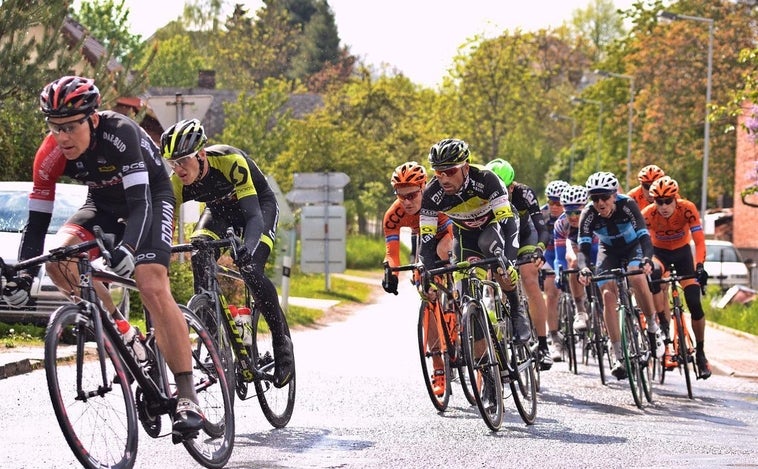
x=389 y=282
x=585 y=276
x=16 y=290
x=538 y=256
x=122 y=261
x=701 y=276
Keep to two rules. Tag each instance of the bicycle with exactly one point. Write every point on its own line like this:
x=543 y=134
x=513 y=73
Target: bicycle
x=634 y=341
x=681 y=340
x=566 y=314
x=438 y=333
x=243 y=364
x=595 y=342
x=492 y=356
x=92 y=396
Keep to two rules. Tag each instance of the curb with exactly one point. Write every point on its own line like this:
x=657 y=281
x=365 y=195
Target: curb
x=20 y=367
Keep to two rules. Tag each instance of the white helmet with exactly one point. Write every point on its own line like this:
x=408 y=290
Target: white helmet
x=555 y=188
x=574 y=195
x=602 y=182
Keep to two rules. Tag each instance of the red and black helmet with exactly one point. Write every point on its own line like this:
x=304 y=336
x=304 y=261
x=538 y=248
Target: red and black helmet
x=69 y=96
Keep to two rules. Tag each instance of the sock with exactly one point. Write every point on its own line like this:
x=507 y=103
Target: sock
x=542 y=340
x=185 y=386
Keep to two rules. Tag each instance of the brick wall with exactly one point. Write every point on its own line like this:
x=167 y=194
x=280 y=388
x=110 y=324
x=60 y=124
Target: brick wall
x=745 y=234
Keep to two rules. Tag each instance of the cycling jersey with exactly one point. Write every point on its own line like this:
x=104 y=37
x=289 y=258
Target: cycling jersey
x=565 y=234
x=235 y=193
x=677 y=230
x=620 y=234
x=639 y=196
x=550 y=245
x=126 y=178
x=532 y=227
x=480 y=202
x=395 y=218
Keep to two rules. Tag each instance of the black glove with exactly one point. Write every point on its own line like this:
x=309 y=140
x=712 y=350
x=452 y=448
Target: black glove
x=122 y=261
x=389 y=283
x=16 y=290
x=701 y=275
x=538 y=255
x=244 y=259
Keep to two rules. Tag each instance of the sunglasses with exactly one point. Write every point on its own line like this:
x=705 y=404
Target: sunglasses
x=646 y=186
x=573 y=213
x=181 y=161
x=68 y=128
x=408 y=196
x=449 y=172
x=599 y=197
x=665 y=201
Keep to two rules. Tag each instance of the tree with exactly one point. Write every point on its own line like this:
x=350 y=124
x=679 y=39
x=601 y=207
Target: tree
x=108 y=21
x=600 y=24
x=177 y=62
x=319 y=43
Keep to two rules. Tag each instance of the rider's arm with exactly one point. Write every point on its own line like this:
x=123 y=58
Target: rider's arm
x=696 y=229
x=135 y=180
x=391 y=226
x=640 y=227
x=535 y=213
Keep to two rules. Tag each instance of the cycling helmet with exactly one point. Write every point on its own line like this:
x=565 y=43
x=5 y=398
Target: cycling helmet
x=182 y=139
x=555 y=188
x=448 y=152
x=602 y=182
x=69 y=96
x=503 y=169
x=574 y=195
x=664 y=187
x=410 y=173
x=650 y=173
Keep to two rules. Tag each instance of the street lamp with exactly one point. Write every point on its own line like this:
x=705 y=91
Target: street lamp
x=556 y=117
x=631 y=116
x=599 y=104
x=707 y=138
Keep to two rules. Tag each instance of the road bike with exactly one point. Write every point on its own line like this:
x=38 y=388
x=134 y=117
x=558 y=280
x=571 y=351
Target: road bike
x=681 y=340
x=438 y=333
x=493 y=358
x=243 y=364
x=566 y=315
x=595 y=343
x=92 y=395
x=634 y=341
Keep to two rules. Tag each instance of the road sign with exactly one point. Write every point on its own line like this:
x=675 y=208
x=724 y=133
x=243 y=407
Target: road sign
x=171 y=109
x=322 y=239
x=312 y=195
x=320 y=180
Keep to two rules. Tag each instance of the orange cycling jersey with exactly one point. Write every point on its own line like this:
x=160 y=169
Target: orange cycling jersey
x=638 y=197
x=677 y=230
x=395 y=218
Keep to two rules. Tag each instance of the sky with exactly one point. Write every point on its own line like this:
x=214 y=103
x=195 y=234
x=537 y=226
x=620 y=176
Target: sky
x=418 y=37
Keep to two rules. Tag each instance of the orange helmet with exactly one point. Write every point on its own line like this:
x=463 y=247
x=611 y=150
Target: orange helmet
x=410 y=173
x=650 y=173
x=664 y=187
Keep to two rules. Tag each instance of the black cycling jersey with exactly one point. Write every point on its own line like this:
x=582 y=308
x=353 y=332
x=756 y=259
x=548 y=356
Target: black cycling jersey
x=524 y=199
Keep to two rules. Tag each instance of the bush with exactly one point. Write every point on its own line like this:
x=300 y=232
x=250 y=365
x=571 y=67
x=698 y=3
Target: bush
x=367 y=252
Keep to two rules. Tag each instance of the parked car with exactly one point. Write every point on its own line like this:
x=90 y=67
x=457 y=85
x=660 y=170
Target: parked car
x=14 y=202
x=725 y=265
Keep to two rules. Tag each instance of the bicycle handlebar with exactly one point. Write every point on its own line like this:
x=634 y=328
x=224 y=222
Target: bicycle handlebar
x=616 y=274
x=231 y=239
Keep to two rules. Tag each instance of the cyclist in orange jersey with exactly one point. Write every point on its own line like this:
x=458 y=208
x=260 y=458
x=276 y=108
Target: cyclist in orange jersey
x=672 y=222
x=646 y=176
x=408 y=181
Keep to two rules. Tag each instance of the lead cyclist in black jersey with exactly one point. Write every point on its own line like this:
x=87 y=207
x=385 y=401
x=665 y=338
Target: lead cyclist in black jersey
x=236 y=194
x=484 y=221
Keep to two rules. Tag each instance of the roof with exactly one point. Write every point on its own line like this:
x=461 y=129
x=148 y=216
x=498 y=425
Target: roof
x=92 y=49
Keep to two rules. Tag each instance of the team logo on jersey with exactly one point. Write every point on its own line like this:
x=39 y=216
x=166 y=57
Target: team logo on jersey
x=117 y=143
x=106 y=169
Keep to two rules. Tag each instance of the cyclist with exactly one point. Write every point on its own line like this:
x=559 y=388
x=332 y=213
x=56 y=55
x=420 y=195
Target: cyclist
x=623 y=235
x=673 y=221
x=646 y=176
x=408 y=182
x=236 y=194
x=550 y=212
x=565 y=235
x=119 y=162
x=484 y=222
x=533 y=238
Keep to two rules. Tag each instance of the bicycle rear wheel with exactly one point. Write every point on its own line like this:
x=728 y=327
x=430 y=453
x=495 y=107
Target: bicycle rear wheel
x=684 y=357
x=212 y=447
x=566 y=317
x=276 y=403
x=100 y=424
x=524 y=386
x=203 y=306
x=432 y=348
x=482 y=365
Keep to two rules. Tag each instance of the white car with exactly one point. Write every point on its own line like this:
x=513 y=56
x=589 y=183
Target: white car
x=724 y=265
x=14 y=210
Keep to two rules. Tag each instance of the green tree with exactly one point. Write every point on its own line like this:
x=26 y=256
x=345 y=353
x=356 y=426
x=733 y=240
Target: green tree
x=598 y=25
x=176 y=62
x=108 y=21
x=319 y=43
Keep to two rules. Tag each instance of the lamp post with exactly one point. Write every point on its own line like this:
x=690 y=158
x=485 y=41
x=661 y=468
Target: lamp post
x=631 y=116
x=707 y=137
x=556 y=117
x=599 y=104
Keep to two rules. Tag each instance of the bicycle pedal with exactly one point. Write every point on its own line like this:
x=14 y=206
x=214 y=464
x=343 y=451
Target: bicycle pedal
x=177 y=437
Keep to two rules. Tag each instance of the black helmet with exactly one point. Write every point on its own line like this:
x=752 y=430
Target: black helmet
x=183 y=138
x=448 y=152
x=69 y=96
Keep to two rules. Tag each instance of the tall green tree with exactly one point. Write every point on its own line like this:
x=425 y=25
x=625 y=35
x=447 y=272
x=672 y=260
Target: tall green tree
x=108 y=21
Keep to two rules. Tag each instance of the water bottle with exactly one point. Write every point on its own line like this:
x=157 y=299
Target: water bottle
x=244 y=321
x=132 y=338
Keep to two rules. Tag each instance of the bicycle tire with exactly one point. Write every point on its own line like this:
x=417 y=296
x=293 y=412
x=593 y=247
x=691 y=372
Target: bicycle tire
x=101 y=430
x=482 y=365
x=431 y=346
x=599 y=342
x=566 y=315
x=213 y=448
x=203 y=306
x=524 y=387
x=645 y=355
x=629 y=347
x=277 y=404
x=683 y=352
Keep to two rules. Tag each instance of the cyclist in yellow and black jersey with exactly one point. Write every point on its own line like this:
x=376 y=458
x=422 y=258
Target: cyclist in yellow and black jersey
x=236 y=194
x=484 y=221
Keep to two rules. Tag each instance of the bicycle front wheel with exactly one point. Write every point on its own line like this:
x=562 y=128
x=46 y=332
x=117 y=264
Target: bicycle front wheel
x=435 y=361
x=213 y=447
x=482 y=365
x=524 y=387
x=598 y=343
x=276 y=403
x=566 y=317
x=98 y=419
x=629 y=345
x=685 y=358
